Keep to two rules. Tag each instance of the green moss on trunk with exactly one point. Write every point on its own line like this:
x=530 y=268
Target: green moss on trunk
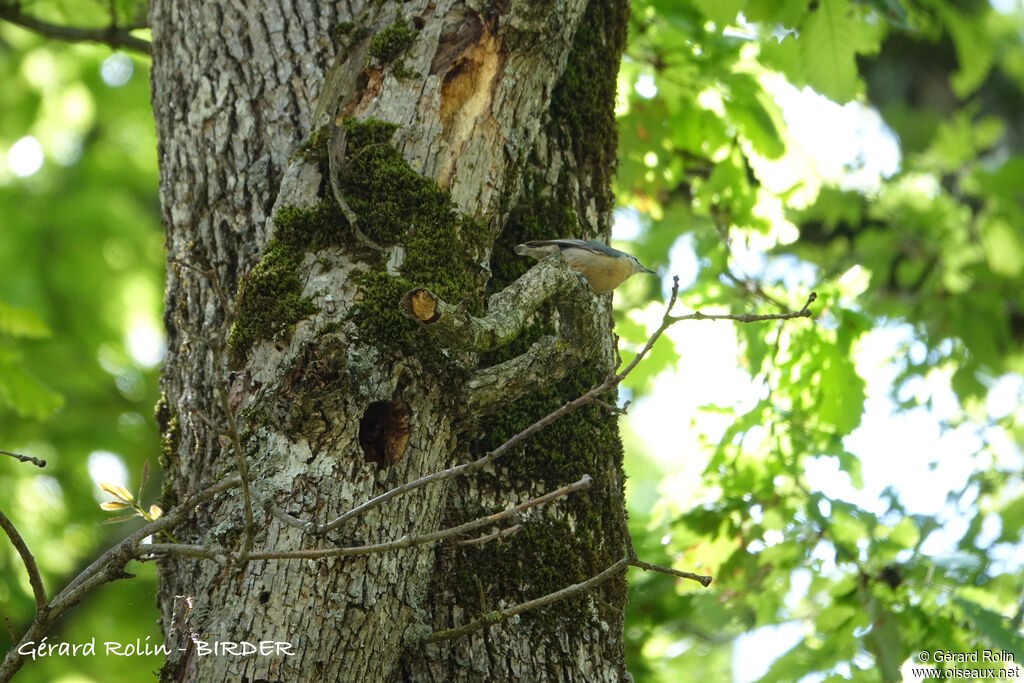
x=394 y=205
x=548 y=555
x=392 y=41
x=170 y=437
x=272 y=301
x=583 y=102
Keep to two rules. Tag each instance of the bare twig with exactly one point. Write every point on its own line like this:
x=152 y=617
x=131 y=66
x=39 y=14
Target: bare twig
x=589 y=397
x=753 y=287
x=216 y=347
x=147 y=551
x=699 y=578
x=614 y=409
x=500 y=533
x=349 y=551
x=195 y=412
x=277 y=512
x=211 y=275
x=34 y=578
x=113 y=35
x=804 y=312
x=25 y=458
x=240 y=463
x=496 y=616
x=125 y=549
x=10 y=630
x=107 y=567
x=440 y=535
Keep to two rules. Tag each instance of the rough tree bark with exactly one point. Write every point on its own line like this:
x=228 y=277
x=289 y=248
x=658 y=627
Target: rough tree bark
x=450 y=130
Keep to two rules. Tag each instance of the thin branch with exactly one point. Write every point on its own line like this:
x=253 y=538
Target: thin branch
x=34 y=578
x=277 y=511
x=10 y=630
x=211 y=275
x=493 y=455
x=699 y=578
x=112 y=35
x=243 y=467
x=348 y=551
x=434 y=536
x=195 y=412
x=614 y=409
x=25 y=458
x=106 y=568
x=500 y=533
x=496 y=616
x=147 y=551
x=804 y=312
x=216 y=346
x=124 y=551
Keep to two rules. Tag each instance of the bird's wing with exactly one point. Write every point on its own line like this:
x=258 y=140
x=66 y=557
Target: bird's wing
x=589 y=245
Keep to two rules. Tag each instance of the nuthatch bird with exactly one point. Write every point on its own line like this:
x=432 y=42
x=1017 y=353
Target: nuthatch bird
x=604 y=267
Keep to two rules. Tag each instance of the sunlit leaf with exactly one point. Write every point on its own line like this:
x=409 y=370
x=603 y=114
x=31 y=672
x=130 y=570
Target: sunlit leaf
x=117 y=491
x=21 y=322
x=26 y=395
x=831 y=37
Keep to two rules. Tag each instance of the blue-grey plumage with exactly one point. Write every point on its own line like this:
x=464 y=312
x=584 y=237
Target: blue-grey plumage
x=604 y=267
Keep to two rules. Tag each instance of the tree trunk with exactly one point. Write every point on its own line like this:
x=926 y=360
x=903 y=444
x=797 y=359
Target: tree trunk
x=450 y=131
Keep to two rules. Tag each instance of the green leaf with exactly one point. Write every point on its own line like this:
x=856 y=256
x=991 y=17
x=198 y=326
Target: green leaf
x=830 y=38
x=974 y=49
x=756 y=348
x=21 y=322
x=1012 y=516
x=748 y=107
x=847 y=528
x=834 y=616
x=994 y=628
x=722 y=12
x=26 y=395
x=785 y=12
x=905 y=533
x=841 y=400
x=1003 y=248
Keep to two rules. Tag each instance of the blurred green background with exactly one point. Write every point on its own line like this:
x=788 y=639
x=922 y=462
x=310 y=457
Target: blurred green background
x=854 y=486
x=81 y=281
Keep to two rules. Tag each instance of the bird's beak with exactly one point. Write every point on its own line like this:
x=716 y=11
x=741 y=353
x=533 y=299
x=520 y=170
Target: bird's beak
x=647 y=270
